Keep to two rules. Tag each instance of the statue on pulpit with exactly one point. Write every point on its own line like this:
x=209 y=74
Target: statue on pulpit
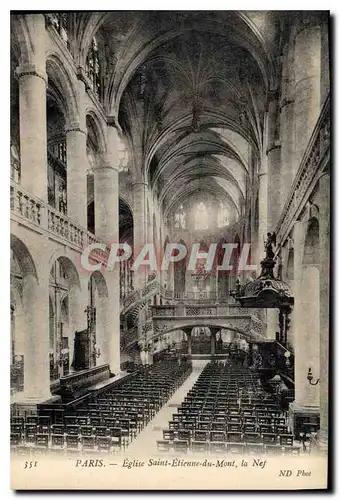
x=269 y=243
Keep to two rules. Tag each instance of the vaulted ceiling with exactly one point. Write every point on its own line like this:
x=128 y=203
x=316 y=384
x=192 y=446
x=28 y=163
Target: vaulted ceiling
x=189 y=90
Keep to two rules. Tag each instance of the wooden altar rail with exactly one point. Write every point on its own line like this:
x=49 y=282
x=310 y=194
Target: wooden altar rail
x=57 y=410
x=82 y=379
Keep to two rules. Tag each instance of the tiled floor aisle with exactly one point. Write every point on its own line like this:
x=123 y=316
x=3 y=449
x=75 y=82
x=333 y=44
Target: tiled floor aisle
x=146 y=441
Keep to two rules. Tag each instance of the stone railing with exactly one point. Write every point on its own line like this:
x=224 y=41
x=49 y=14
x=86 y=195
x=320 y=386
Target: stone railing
x=41 y=215
x=200 y=311
x=151 y=288
x=310 y=168
x=129 y=337
x=60 y=225
x=26 y=206
x=163 y=311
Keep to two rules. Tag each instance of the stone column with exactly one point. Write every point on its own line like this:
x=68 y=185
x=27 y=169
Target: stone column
x=306 y=92
x=106 y=192
x=274 y=163
x=76 y=174
x=306 y=331
x=139 y=229
x=32 y=106
x=36 y=352
x=213 y=342
x=188 y=334
x=286 y=121
x=324 y=190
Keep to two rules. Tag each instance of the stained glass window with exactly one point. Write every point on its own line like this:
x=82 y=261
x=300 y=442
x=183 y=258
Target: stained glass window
x=180 y=218
x=201 y=216
x=223 y=216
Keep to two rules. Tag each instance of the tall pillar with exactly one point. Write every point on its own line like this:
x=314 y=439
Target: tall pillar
x=324 y=189
x=213 y=342
x=188 y=334
x=140 y=229
x=77 y=165
x=32 y=106
x=286 y=120
x=274 y=163
x=306 y=333
x=306 y=93
x=106 y=192
x=36 y=351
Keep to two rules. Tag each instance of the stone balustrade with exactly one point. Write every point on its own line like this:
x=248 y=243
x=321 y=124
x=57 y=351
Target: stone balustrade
x=38 y=213
x=313 y=162
x=129 y=337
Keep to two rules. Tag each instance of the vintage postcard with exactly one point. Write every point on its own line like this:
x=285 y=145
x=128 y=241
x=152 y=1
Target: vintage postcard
x=170 y=242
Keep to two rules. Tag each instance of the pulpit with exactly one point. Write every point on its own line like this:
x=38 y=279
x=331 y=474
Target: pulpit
x=82 y=351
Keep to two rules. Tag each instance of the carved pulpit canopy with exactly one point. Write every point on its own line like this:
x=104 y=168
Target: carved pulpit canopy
x=266 y=291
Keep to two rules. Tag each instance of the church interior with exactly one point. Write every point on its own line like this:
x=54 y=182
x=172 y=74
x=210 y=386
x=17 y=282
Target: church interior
x=178 y=127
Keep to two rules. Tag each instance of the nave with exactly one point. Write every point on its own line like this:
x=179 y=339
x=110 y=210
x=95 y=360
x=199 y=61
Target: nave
x=170 y=407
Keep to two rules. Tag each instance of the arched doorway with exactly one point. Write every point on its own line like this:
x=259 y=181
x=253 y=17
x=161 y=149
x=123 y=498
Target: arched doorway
x=29 y=317
x=201 y=340
x=98 y=321
x=63 y=291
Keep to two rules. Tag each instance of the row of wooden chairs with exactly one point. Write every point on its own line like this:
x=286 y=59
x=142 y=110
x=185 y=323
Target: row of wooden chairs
x=226 y=448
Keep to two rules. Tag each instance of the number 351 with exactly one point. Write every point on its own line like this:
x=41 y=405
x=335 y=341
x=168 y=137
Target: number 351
x=30 y=465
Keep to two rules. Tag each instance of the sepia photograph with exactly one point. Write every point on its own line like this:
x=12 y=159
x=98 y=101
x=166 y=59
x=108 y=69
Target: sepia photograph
x=170 y=198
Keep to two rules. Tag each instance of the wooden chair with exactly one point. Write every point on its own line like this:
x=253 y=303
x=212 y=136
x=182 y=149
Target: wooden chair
x=184 y=435
x=269 y=438
x=236 y=448
x=163 y=445
x=15 y=439
x=235 y=437
x=292 y=450
x=255 y=449
x=217 y=447
x=286 y=439
x=72 y=442
x=30 y=432
x=168 y=434
x=103 y=443
x=273 y=449
x=41 y=441
x=57 y=441
x=180 y=446
x=88 y=443
x=72 y=430
x=252 y=437
x=116 y=437
x=57 y=429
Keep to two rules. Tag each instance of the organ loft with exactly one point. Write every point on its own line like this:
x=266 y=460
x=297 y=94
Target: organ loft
x=204 y=138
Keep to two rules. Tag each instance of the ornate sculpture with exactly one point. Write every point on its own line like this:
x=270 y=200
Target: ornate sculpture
x=269 y=243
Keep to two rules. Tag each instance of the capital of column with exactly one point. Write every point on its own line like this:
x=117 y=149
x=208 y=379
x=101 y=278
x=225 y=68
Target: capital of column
x=31 y=70
x=75 y=127
x=139 y=183
x=105 y=164
x=275 y=145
